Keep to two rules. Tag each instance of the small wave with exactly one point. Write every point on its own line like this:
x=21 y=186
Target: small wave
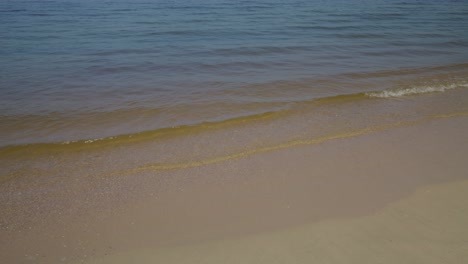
x=415 y=90
x=87 y=141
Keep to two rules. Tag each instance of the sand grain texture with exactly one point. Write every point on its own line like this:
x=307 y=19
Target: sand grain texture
x=428 y=227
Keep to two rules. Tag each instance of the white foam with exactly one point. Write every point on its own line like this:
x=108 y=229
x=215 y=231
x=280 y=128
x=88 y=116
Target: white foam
x=86 y=141
x=415 y=90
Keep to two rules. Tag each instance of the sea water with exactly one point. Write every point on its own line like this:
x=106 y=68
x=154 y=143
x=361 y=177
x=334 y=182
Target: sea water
x=81 y=70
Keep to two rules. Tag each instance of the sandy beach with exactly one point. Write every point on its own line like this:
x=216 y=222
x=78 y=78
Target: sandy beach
x=391 y=206
x=429 y=226
x=395 y=195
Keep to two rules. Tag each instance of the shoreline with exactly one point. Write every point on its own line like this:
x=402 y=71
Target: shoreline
x=258 y=194
x=226 y=131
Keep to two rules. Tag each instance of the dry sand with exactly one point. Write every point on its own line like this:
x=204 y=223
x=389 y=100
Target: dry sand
x=428 y=227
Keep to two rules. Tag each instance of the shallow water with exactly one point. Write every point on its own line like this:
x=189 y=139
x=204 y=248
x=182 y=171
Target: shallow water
x=84 y=70
x=166 y=113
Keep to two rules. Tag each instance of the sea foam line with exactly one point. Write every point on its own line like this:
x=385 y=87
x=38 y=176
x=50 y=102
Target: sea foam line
x=415 y=90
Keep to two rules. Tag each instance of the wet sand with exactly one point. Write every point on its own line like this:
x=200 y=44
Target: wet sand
x=340 y=201
x=430 y=226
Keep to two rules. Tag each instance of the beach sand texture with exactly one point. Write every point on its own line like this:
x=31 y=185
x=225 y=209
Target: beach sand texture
x=375 y=217
x=427 y=227
x=344 y=200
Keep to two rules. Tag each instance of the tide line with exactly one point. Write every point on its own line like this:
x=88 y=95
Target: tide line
x=315 y=141
x=294 y=143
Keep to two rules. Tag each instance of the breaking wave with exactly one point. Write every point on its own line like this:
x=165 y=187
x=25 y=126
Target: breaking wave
x=414 y=90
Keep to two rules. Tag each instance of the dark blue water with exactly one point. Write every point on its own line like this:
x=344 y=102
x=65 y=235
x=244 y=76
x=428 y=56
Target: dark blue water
x=81 y=69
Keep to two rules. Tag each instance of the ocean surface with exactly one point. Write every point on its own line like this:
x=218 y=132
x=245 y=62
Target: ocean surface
x=82 y=70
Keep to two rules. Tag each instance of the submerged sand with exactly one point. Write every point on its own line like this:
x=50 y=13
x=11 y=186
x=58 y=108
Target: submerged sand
x=391 y=196
x=379 y=198
x=378 y=212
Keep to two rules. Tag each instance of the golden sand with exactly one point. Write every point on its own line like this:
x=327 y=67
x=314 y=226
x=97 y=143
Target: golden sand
x=345 y=200
x=428 y=227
